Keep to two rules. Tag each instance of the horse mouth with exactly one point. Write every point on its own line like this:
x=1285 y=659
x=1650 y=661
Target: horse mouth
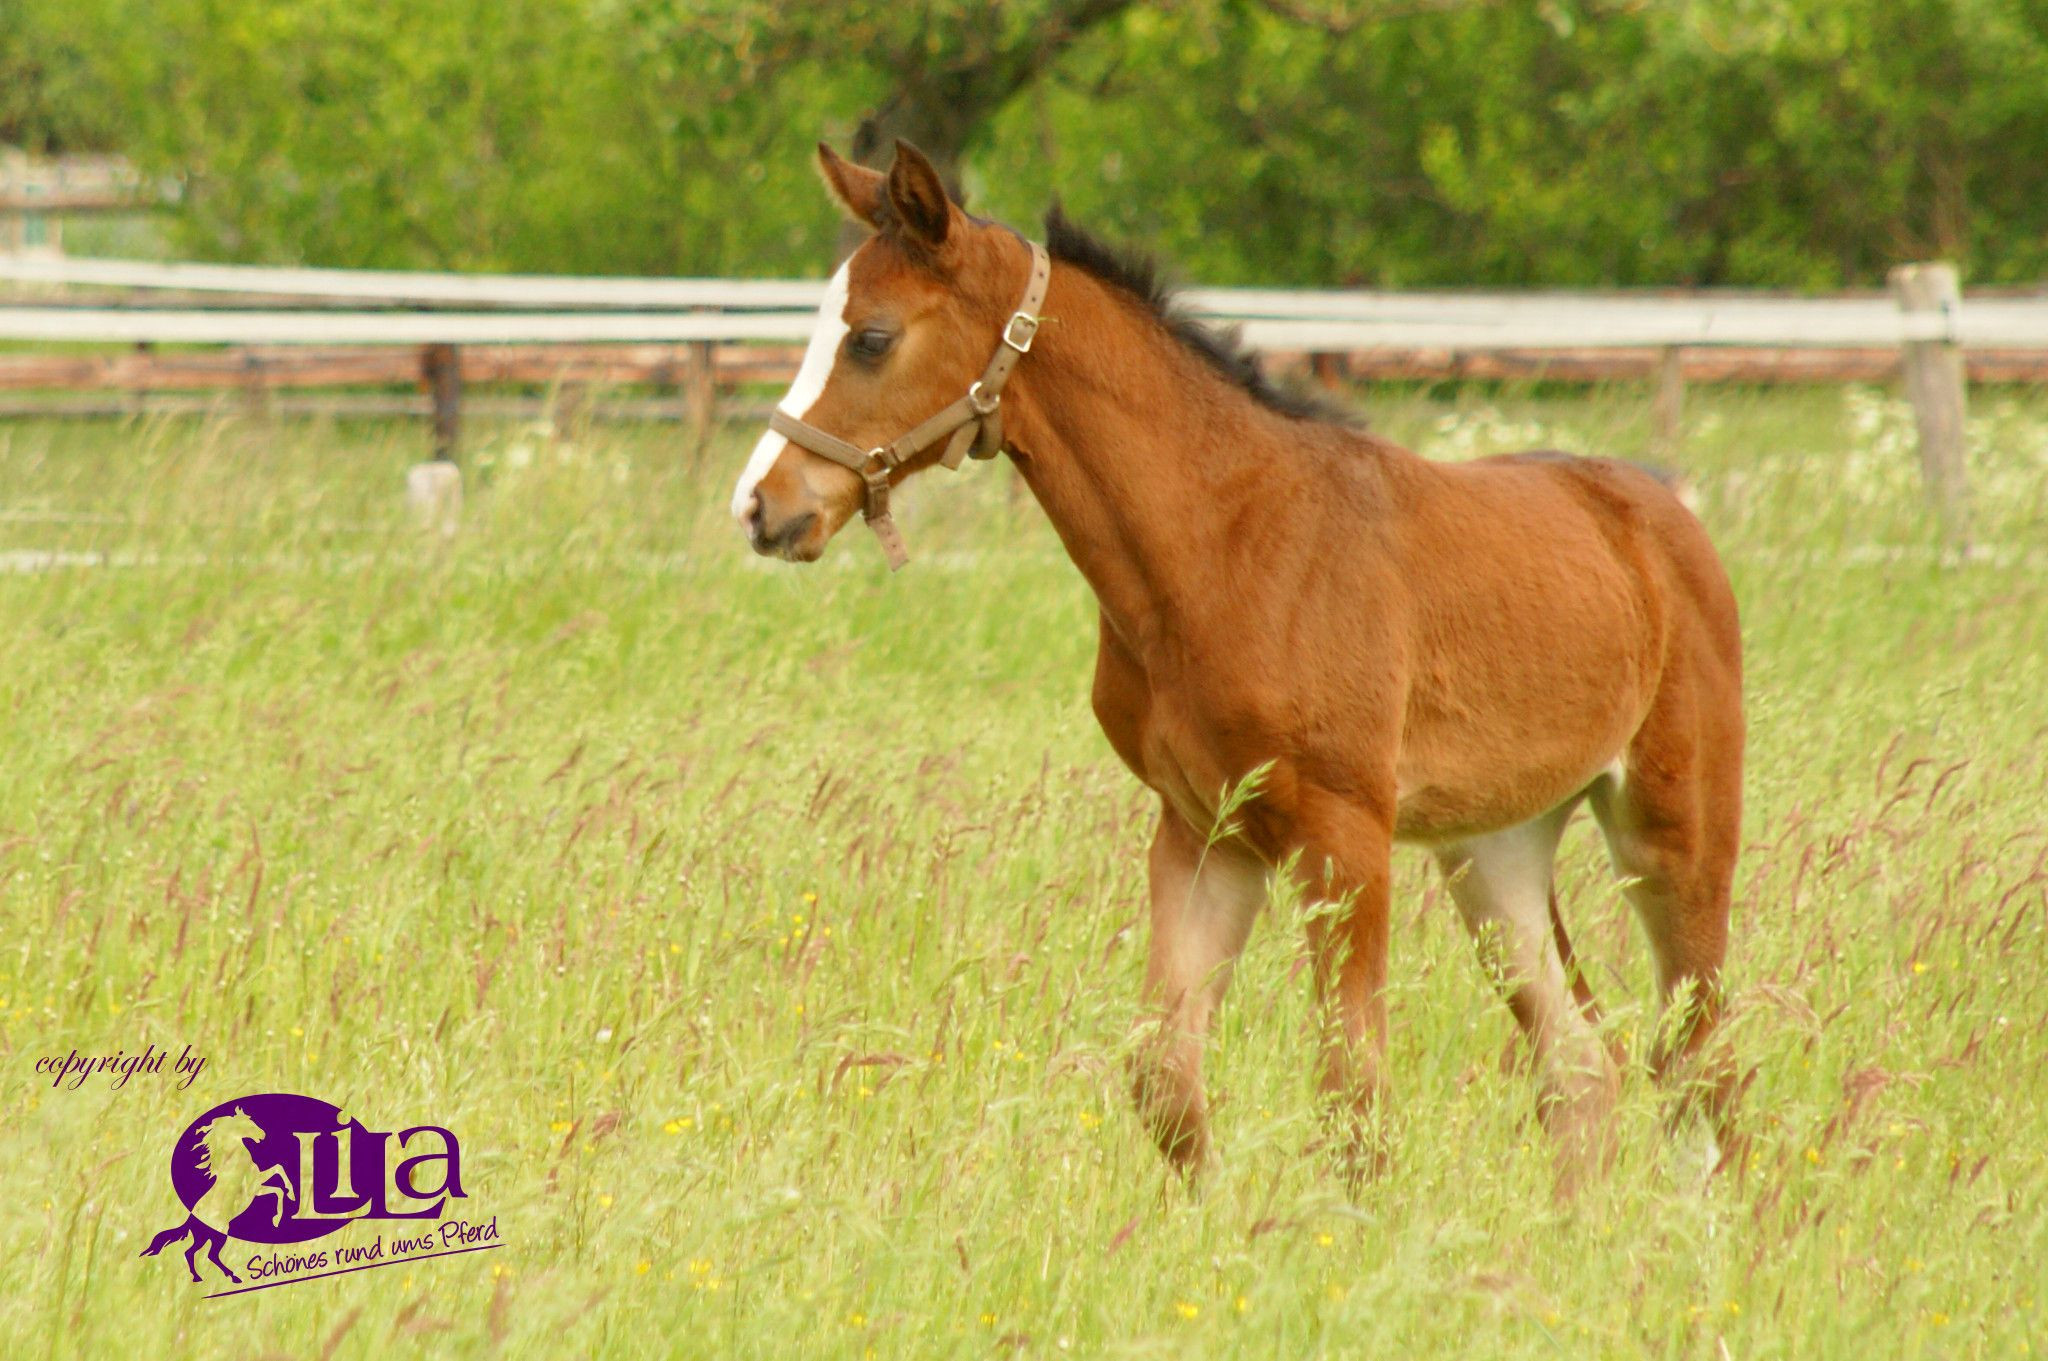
x=794 y=541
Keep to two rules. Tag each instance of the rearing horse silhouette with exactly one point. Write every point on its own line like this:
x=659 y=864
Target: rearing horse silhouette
x=1456 y=655
x=238 y=1182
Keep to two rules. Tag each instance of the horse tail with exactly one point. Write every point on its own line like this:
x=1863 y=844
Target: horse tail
x=173 y=1234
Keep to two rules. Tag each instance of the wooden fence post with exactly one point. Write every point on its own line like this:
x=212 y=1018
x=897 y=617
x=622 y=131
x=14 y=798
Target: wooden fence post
x=571 y=407
x=1667 y=408
x=434 y=490
x=441 y=369
x=1935 y=385
x=255 y=391
x=700 y=395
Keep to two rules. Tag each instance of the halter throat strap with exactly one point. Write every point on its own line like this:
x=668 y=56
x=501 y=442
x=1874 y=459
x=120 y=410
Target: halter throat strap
x=971 y=424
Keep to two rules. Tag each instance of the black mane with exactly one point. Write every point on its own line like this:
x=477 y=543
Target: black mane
x=1137 y=274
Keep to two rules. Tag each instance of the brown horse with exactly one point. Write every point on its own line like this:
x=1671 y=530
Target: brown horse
x=1455 y=655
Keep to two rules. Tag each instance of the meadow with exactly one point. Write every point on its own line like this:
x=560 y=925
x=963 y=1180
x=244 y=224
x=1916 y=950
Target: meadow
x=771 y=937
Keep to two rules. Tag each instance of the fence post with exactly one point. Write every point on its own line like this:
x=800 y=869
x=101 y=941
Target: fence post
x=571 y=407
x=441 y=370
x=1667 y=408
x=700 y=395
x=434 y=490
x=255 y=391
x=1935 y=385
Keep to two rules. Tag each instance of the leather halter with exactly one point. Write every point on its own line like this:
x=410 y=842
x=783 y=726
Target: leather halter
x=974 y=422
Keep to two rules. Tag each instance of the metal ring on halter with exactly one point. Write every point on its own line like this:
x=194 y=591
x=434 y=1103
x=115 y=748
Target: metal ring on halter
x=983 y=402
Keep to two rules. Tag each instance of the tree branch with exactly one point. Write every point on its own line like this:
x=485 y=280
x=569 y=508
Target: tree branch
x=1342 y=19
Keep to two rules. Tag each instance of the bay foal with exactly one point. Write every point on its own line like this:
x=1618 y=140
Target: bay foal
x=1454 y=655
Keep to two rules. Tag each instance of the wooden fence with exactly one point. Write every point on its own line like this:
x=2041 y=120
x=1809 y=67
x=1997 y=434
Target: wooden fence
x=267 y=329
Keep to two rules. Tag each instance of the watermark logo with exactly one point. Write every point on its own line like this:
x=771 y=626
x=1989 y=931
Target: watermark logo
x=278 y=1170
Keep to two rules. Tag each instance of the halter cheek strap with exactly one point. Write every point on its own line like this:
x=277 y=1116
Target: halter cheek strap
x=972 y=424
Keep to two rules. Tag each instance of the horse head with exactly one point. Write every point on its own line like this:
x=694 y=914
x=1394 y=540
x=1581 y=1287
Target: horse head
x=226 y=1134
x=906 y=332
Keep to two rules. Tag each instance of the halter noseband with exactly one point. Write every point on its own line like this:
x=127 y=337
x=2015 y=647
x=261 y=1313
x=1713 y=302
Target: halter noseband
x=975 y=421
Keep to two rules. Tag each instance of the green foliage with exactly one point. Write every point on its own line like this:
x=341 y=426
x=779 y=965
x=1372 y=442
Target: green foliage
x=47 y=102
x=1800 y=143
x=1807 y=144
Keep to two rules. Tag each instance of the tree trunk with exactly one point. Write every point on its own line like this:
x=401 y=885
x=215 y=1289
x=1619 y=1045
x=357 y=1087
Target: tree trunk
x=936 y=123
x=941 y=110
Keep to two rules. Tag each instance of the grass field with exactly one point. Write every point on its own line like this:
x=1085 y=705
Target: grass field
x=771 y=936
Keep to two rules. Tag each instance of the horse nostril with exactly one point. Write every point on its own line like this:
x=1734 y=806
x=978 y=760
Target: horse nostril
x=775 y=539
x=796 y=529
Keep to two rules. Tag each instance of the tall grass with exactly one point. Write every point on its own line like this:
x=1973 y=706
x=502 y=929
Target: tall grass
x=771 y=937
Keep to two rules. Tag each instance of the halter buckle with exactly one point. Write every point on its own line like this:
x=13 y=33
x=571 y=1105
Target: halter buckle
x=985 y=403
x=1030 y=325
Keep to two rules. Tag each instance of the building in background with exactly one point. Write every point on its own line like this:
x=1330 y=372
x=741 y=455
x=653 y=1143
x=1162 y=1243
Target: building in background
x=38 y=194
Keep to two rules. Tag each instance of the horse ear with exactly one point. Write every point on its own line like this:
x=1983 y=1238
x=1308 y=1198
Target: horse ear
x=919 y=197
x=857 y=188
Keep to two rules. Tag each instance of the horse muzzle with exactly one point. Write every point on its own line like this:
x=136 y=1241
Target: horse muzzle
x=793 y=538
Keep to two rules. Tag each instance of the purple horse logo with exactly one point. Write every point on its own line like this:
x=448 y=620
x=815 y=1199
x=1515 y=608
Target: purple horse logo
x=279 y=1168
x=227 y=1158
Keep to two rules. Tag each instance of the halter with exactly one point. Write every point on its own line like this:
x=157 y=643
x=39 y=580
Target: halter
x=975 y=421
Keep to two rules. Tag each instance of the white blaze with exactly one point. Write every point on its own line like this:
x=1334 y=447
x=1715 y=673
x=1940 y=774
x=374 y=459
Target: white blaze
x=802 y=394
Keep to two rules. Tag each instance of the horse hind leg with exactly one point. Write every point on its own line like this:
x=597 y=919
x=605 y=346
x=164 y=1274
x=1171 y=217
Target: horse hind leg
x=213 y=1247
x=1502 y=885
x=192 y=1255
x=1671 y=818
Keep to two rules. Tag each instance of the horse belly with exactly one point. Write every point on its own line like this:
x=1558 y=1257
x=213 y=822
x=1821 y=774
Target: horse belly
x=1496 y=735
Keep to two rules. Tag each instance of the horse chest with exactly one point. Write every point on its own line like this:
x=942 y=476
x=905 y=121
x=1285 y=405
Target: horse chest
x=1165 y=728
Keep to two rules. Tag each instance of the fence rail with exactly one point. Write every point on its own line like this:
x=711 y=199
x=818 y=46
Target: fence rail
x=605 y=310
x=701 y=334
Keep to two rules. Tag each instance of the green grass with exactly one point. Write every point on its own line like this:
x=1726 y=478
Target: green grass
x=770 y=937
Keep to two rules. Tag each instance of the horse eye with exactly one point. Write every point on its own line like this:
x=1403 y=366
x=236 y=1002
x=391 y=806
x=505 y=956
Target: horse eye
x=870 y=344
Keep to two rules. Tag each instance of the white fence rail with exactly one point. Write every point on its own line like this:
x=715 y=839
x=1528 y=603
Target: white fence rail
x=1557 y=326
x=538 y=309
x=1924 y=328
x=150 y=326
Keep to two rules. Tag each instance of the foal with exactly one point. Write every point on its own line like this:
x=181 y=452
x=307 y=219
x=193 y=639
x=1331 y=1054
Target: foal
x=1455 y=655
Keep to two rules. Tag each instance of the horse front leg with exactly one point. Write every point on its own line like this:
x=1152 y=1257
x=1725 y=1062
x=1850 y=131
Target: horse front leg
x=1343 y=867
x=1204 y=899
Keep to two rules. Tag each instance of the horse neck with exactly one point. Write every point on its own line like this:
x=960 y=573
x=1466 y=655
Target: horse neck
x=1146 y=460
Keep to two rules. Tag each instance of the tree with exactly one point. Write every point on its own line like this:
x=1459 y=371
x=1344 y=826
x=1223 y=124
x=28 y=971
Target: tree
x=936 y=74
x=1802 y=143
x=47 y=99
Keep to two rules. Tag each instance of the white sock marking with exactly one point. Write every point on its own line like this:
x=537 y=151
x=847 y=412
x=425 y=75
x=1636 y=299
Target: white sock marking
x=810 y=381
